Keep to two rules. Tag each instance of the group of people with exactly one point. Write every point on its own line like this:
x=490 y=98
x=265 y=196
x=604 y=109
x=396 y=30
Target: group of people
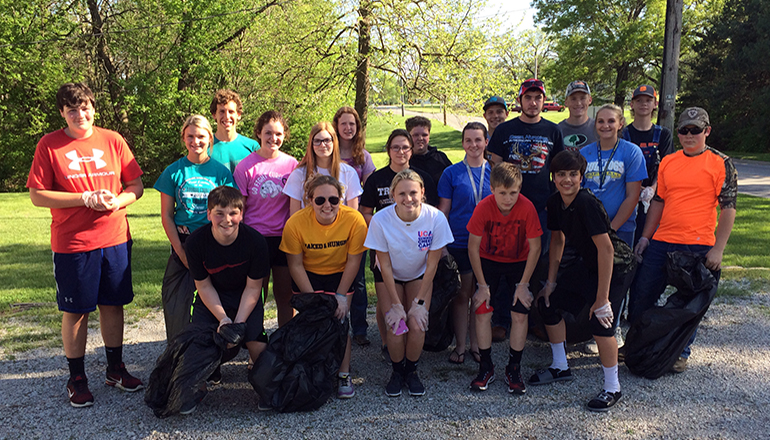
x=533 y=207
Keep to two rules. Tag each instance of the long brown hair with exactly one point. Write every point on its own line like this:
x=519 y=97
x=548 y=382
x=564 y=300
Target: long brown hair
x=358 y=140
x=309 y=161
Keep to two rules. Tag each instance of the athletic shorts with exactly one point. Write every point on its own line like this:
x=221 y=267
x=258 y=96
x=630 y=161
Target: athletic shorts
x=461 y=258
x=494 y=271
x=277 y=256
x=322 y=283
x=255 y=330
x=378 y=277
x=99 y=277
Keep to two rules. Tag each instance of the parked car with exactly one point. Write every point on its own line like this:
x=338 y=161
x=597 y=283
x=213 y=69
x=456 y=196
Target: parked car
x=552 y=106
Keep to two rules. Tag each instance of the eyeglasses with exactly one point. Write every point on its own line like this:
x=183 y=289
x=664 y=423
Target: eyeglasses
x=690 y=130
x=401 y=149
x=319 y=142
x=333 y=200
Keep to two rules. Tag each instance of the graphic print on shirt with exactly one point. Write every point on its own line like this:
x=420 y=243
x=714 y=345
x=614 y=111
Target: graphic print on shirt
x=96 y=158
x=529 y=152
x=500 y=238
x=193 y=194
x=267 y=186
x=614 y=170
x=424 y=240
x=574 y=142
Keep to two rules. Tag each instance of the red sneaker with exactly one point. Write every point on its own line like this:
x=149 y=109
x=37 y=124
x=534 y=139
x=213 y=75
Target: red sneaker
x=120 y=378
x=482 y=381
x=514 y=381
x=80 y=395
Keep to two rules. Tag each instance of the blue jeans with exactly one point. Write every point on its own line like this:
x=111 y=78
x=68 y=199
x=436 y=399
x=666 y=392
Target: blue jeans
x=650 y=281
x=627 y=236
x=360 y=301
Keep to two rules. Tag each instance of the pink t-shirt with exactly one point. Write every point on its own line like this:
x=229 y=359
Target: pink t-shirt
x=261 y=181
x=100 y=161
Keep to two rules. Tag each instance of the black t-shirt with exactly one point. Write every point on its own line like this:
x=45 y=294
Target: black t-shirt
x=653 y=152
x=228 y=266
x=433 y=162
x=530 y=147
x=580 y=221
x=377 y=189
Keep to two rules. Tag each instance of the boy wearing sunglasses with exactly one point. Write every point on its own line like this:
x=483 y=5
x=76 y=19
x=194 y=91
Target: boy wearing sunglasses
x=655 y=141
x=682 y=216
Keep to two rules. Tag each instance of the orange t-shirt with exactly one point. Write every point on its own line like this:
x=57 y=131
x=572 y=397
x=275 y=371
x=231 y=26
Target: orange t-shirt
x=691 y=188
x=101 y=161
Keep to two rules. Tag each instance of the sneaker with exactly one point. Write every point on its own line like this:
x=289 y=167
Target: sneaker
x=482 y=381
x=414 y=385
x=514 y=381
x=189 y=410
x=264 y=406
x=345 y=388
x=361 y=340
x=121 y=379
x=216 y=377
x=80 y=395
x=393 y=389
x=619 y=337
x=680 y=365
x=603 y=401
x=592 y=348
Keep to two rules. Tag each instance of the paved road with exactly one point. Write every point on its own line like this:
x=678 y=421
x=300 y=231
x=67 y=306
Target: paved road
x=753 y=176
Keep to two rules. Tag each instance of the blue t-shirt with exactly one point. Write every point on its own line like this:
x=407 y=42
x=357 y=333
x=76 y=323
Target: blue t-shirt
x=455 y=186
x=627 y=165
x=530 y=147
x=231 y=153
x=189 y=184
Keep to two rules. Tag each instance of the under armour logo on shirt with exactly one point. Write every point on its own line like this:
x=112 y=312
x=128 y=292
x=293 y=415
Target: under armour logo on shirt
x=96 y=158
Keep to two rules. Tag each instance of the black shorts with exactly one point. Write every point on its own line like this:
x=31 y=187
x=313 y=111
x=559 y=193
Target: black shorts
x=461 y=258
x=378 y=277
x=494 y=271
x=255 y=330
x=322 y=283
x=277 y=256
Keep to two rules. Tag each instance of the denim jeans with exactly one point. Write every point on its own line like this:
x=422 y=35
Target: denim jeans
x=650 y=281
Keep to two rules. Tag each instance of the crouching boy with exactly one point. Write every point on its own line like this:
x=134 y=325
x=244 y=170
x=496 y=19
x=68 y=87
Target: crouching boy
x=504 y=241
x=601 y=277
x=228 y=260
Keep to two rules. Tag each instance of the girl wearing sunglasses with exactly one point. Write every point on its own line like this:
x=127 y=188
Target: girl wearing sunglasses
x=260 y=177
x=322 y=157
x=408 y=237
x=324 y=243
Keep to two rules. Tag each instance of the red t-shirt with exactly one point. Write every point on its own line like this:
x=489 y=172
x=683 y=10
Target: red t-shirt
x=504 y=238
x=101 y=161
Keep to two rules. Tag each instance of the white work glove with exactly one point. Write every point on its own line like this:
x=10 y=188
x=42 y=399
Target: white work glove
x=523 y=295
x=342 y=306
x=482 y=296
x=646 y=196
x=640 y=247
x=420 y=314
x=546 y=292
x=604 y=315
x=395 y=314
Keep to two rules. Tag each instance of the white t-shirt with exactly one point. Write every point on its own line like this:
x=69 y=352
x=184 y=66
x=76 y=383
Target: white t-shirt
x=351 y=186
x=408 y=243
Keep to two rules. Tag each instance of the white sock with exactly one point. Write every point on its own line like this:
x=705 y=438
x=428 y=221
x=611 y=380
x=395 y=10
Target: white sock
x=611 y=382
x=559 y=356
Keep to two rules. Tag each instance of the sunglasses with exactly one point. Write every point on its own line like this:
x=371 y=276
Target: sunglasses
x=333 y=200
x=535 y=83
x=690 y=130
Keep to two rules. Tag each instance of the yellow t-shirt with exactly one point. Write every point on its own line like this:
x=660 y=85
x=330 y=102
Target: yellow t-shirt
x=324 y=248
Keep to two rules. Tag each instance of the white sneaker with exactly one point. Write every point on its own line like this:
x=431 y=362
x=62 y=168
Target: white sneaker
x=345 y=388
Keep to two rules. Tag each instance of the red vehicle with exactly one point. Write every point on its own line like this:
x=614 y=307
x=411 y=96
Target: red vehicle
x=552 y=106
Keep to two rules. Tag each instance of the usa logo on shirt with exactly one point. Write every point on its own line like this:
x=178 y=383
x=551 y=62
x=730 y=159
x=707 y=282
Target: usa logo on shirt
x=424 y=240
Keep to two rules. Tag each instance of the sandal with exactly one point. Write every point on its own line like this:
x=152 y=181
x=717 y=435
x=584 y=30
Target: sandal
x=549 y=375
x=456 y=358
x=476 y=356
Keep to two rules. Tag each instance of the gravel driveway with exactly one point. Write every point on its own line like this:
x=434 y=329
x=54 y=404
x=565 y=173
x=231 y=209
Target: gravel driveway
x=725 y=393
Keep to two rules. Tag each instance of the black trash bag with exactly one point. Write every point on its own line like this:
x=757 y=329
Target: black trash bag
x=658 y=336
x=446 y=285
x=179 y=377
x=298 y=370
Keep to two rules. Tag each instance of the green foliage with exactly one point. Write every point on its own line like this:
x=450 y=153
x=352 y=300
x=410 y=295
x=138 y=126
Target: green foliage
x=730 y=77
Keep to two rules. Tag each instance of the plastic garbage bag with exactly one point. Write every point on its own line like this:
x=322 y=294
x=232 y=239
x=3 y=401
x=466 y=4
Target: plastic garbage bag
x=179 y=378
x=658 y=336
x=446 y=285
x=298 y=370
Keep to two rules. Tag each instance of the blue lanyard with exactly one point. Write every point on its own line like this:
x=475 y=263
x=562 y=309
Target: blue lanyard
x=603 y=172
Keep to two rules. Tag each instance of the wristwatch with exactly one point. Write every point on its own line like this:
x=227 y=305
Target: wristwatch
x=420 y=302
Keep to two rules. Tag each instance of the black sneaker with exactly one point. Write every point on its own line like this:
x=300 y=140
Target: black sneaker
x=514 y=381
x=414 y=385
x=603 y=401
x=393 y=389
x=79 y=394
x=482 y=381
x=216 y=377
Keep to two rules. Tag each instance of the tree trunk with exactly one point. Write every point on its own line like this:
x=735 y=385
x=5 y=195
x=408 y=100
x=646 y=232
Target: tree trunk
x=362 y=67
x=621 y=77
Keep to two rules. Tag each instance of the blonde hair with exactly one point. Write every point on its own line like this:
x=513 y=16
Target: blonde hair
x=200 y=122
x=618 y=114
x=309 y=161
x=407 y=174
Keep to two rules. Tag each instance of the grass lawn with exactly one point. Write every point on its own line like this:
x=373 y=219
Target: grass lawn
x=763 y=157
x=28 y=313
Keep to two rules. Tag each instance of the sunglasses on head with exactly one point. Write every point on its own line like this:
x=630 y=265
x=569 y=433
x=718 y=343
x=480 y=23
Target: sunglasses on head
x=333 y=200
x=535 y=83
x=690 y=130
